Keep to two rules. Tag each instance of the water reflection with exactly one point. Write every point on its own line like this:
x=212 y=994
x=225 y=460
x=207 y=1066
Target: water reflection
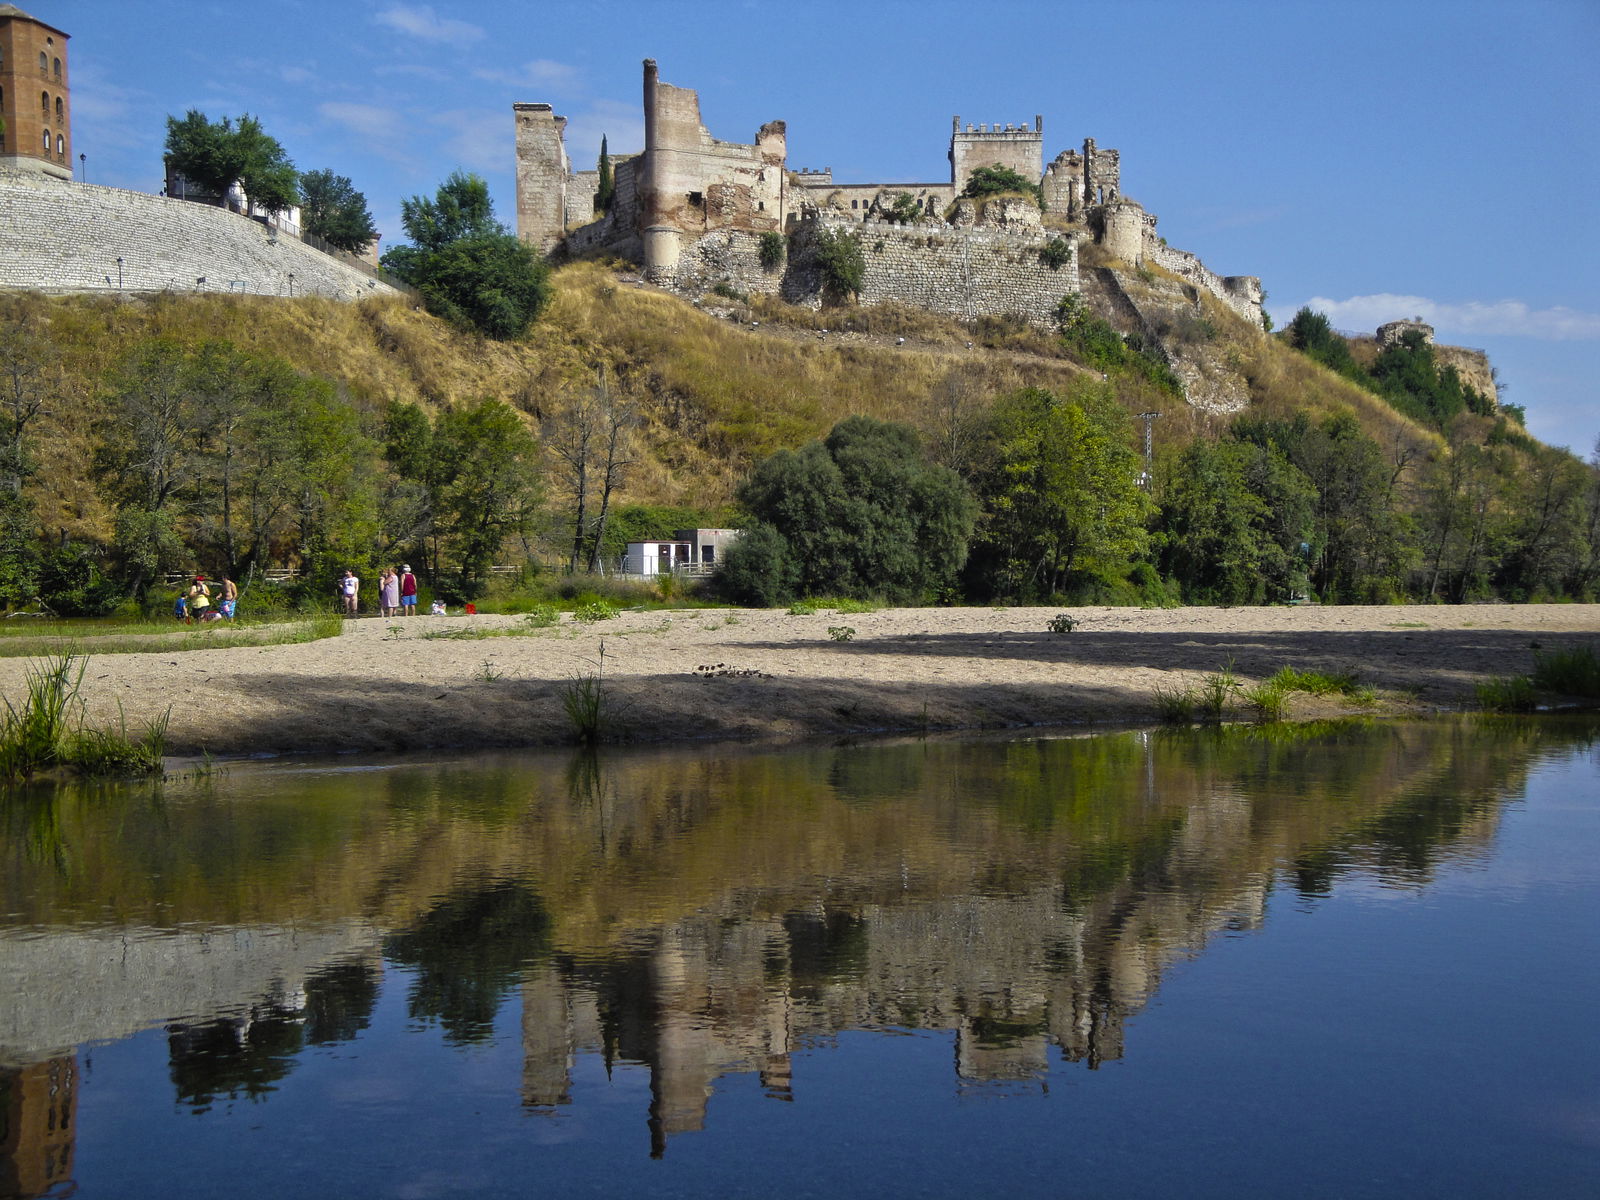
x=699 y=913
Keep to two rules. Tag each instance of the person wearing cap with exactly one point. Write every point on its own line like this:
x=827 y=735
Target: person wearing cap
x=408 y=592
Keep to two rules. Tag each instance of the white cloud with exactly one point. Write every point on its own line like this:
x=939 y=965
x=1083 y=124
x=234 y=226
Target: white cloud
x=551 y=77
x=422 y=22
x=369 y=121
x=1504 y=318
x=479 y=140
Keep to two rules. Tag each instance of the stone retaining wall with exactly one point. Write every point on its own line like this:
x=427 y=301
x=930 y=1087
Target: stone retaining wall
x=966 y=273
x=69 y=237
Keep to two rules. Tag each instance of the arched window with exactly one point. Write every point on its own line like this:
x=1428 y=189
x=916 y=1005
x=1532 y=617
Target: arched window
x=47 y=141
x=44 y=102
x=57 y=63
x=61 y=146
x=59 y=111
x=44 y=62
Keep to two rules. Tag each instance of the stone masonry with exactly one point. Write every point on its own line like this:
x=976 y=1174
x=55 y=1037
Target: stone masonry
x=74 y=237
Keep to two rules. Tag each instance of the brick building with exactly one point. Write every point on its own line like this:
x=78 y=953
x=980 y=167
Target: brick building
x=35 y=100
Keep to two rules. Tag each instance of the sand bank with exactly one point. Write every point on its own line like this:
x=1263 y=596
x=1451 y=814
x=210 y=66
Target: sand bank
x=773 y=675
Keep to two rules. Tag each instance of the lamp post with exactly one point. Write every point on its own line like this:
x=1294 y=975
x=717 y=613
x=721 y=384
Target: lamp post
x=119 y=272
x=83 y=168
x=291 y=283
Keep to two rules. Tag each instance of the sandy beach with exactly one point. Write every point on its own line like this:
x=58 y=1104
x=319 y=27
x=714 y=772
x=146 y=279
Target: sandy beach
x=744 y=674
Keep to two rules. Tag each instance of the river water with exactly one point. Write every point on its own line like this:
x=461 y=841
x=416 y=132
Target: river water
x=1339 y=960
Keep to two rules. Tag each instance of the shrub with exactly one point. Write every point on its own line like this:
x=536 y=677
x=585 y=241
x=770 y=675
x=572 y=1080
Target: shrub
x=1056 y=253
x=1061 y=623
x=841 y=261
x=1574 y=672
x=841 y=633
x=772 y=250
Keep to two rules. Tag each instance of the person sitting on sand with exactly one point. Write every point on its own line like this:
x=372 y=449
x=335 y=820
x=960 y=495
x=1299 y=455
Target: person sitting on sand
x=439 y=608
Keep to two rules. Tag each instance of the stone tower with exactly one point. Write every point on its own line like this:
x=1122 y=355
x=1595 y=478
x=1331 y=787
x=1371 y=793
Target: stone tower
x=35 y=101
x=1018 y=147
x=542 y=171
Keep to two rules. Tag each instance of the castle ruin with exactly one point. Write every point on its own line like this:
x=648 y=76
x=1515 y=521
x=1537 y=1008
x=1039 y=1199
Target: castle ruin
x=692 y=209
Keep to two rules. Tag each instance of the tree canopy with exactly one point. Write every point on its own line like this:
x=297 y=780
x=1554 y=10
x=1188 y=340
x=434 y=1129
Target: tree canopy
x=861 y=513
x=470 y=270
x=997 y=180
x=332 y=209
x=215 y=155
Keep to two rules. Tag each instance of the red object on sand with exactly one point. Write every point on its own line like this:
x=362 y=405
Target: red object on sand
x=472 y=609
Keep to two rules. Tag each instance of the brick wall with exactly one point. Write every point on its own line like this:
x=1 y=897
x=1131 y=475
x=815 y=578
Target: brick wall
x=67 y=237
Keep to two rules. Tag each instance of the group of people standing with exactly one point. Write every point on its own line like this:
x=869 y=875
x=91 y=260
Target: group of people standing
x=194 y=603
x=397 y=592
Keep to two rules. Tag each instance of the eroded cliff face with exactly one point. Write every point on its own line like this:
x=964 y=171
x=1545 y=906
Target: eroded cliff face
x=1197 y=334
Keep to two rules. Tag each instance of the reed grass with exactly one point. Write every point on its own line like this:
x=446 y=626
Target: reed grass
x=40 y=733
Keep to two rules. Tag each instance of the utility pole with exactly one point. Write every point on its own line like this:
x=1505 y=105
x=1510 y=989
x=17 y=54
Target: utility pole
x=1149 y=470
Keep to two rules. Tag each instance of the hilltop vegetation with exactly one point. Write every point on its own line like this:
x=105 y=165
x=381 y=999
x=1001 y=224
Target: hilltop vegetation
x=315 y=434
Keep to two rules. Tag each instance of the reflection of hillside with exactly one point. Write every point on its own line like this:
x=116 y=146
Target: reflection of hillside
x=713 y=911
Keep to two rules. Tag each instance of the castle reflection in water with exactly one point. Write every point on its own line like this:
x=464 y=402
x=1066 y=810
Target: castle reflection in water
x=700 y=915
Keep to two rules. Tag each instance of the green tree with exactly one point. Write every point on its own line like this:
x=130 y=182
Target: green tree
x=607 y=189
x=215 y=155
x=489 y=487
x=1549 y=535
x=332 y=209
x=861 y=513
x=841 y=261
x=1310 y=333
x=1462 y=517
x=470 y=270
x=997 y=181
x=1061 y=502
x=24 y=385
x=1365 y=542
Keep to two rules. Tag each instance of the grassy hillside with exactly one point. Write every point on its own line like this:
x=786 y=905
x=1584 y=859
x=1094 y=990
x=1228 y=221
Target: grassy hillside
x=716 y=392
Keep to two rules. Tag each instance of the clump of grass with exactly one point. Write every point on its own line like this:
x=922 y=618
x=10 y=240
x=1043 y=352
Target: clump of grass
x=1315 y=683
x=583 y=699
x=1269 y=700
x=542 y=616
x=488 y=672
x=803 y=608
x=1175 y=705
x=113 y=753
x=856 y=606
x=1570 y=672
x=1061 y=623
x=39 y=733
x=1216 y=692
x=841 y=633
x=1501 y=694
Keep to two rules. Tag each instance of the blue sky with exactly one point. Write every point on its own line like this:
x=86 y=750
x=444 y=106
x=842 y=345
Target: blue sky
x=1376 y=160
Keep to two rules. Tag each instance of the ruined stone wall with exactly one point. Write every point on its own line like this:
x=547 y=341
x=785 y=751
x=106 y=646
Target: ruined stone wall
x=68 y=237
x=860 y=200
x=964 y=273
x=699 y=183
x=1473 y=367
x=1062 y=185
x=1241 y=293
x=542 y=171
x=1019 y=147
